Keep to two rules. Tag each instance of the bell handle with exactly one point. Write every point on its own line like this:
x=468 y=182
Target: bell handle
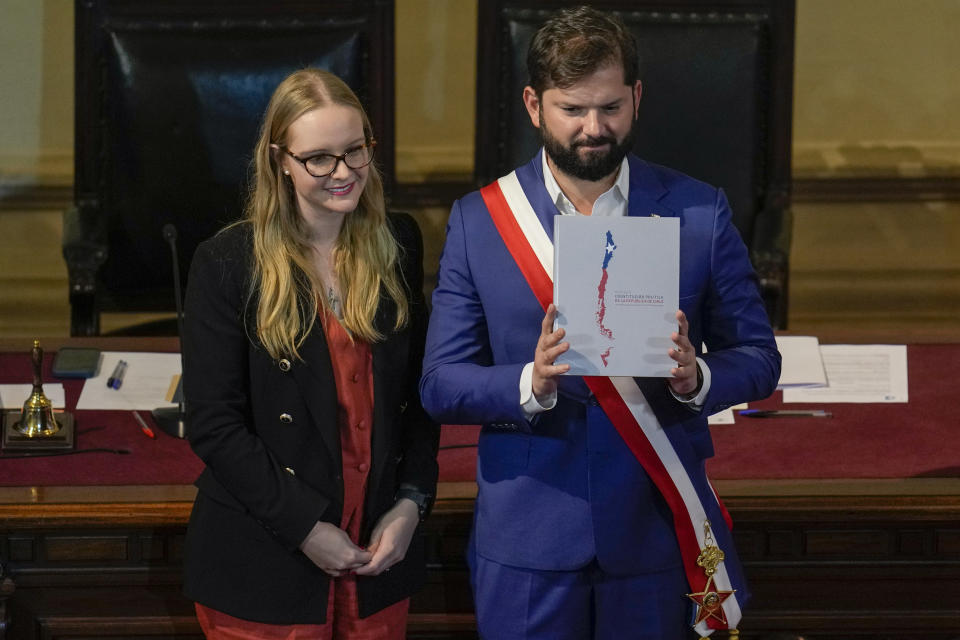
x=37 y=357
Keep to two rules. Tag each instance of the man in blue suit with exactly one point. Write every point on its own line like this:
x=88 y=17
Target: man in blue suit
x=579 y=531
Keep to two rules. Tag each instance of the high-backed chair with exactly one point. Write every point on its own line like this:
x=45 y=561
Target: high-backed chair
x=169 y=96
x=717 y=102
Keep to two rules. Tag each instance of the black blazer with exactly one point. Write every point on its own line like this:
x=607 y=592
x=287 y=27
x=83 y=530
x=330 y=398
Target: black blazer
x=267 y=431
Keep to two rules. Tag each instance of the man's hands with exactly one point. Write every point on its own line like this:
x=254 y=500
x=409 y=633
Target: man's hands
x=549 y=347
x=391 y=537
x=331 y=549
x=684 y=380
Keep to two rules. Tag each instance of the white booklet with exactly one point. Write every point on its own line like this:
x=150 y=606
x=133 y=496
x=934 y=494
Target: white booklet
x=616 y=285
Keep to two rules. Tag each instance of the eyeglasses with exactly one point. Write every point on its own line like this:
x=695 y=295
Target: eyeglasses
x=323 y=164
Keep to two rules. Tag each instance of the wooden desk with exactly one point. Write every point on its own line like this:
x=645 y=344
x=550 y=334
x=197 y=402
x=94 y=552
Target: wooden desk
x=826 y=558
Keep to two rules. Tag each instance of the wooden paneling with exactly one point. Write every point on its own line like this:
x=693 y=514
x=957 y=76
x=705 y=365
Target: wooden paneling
x=825 y=560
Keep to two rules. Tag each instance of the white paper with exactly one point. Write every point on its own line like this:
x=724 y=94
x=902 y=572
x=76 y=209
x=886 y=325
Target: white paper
x=726 y=416
x=802 y=364
x=12 y=396
x=145 y=382
x=616 y=287
x=721 y=417
x=859 y=373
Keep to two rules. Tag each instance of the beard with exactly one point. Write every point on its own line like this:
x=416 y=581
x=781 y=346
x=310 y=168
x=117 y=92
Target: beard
x=595 y=165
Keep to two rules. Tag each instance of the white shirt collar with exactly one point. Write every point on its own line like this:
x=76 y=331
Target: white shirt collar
x=612 y=202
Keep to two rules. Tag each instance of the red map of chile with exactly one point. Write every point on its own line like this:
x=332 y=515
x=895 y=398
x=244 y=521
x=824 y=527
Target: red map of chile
x=601 y=295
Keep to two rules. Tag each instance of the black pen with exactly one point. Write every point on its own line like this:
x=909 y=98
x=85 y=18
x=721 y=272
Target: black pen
x=113 y=376
x=118 y=375
x=785 y=413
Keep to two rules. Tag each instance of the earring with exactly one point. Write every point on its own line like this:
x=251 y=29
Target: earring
x=286 y=172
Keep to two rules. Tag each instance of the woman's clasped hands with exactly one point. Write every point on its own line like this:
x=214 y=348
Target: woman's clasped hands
x=330 y=548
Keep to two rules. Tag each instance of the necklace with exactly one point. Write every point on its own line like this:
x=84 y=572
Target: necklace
x=333 y=302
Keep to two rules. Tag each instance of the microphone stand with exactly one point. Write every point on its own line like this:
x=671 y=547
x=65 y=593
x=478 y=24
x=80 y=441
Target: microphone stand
x=172 y=420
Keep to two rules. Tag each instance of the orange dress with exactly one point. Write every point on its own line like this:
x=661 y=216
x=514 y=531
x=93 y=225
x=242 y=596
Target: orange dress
x=353 y=373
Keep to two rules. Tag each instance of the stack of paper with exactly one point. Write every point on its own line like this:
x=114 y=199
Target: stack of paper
x=145 y=384
x=12 y=396
x=802 y=365
x=859 y=373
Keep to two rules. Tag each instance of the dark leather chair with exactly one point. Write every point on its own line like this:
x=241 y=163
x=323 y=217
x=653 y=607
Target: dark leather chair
x=169 y=96
x=717 y=105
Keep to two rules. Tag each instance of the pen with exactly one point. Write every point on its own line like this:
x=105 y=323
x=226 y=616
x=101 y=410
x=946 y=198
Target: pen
x=113 y=376
x=118 y=377
x=785 y=413
x=143 y=426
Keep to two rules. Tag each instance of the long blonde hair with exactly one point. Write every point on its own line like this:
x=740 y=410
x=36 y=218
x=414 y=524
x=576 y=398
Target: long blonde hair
x=284 y=283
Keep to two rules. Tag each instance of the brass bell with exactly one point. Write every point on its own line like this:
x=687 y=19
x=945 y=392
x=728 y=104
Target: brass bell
x=36 y=417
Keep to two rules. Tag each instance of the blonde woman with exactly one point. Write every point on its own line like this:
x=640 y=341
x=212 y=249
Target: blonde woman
x=303 y=340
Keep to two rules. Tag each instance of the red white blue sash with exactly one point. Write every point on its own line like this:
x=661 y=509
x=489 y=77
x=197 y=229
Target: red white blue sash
x=629 y=411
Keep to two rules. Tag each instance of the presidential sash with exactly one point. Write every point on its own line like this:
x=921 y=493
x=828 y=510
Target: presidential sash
x=631 y=414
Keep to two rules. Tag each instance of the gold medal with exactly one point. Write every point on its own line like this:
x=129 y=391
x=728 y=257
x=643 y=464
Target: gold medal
x=710 y=601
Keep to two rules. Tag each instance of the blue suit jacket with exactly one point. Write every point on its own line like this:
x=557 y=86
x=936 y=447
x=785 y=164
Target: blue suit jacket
x=562 y=489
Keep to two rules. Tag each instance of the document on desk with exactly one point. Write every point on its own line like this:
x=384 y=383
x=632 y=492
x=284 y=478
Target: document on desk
x=859 y=373
x=616 y=287
x=12 y=396
x=146 y=380
x=721 y=417
x=802 y=363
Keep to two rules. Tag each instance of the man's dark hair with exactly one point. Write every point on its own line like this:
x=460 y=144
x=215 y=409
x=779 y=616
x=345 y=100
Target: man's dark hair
x=576 y=42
